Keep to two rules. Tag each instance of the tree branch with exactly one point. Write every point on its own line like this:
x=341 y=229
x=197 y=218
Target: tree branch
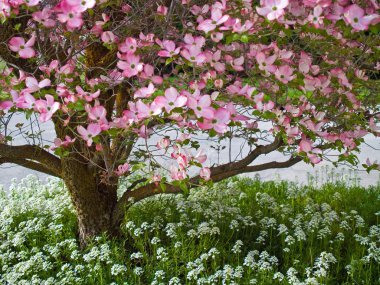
x=218 y=173
x=33 y=156
x=273 y=165
x=261 y=149
x=29 y=164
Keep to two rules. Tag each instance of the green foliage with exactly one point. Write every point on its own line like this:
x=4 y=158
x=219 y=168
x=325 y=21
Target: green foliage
x=240 y=231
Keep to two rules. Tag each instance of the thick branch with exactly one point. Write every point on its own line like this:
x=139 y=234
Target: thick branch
x=273 y=164
x=29 y=164
x=31 y=153
x=261 y=149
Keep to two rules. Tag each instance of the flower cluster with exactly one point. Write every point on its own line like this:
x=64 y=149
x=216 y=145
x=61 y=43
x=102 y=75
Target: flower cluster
x=238 y=232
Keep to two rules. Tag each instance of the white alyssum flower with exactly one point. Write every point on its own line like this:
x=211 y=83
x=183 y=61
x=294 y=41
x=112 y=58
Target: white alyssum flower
x=136 y=255
x=138 y=271
x=118 y=269
x=237 y=247
x=162 y=254
x=175 y=281
x=155 y=240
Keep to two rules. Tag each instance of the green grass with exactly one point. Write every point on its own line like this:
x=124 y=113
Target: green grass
x=240 y=231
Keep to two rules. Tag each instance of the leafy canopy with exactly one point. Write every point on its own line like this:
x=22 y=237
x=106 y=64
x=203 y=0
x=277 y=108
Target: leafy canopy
x=111 y=75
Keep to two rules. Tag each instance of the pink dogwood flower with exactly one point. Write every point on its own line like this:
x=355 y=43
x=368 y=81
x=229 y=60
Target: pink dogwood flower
x=201 y=157
x=88 y=134
x=217 y=18
x=162 y=10
x=81 y=5
x=214 y=60
x=272 y=9
x=171 y=100
x=62 y=143
x=258 y=99
x=26 y=101
x=205 y=173
x=201 y=107
x=108 y=37
x=163 y=143
x=266 y=63
x=49 y=68
x=218 y=123
x=43 y=17
x=285 y=74
x=316 y=17
x=292 y=132
x=6 y=105
x=33 y=85
x=24 y=49
x=5 y=9
x=235 y=116
x=122 y=169
x=169 y=49
x=239 y=28
x=182 y=160
x=306 y=146
x=194 y=54
x=73 y=19
x=97 y=113
x=177 y=174
x=237 y=64
x=145 y=111
x=47 y=108
x=190 y=40
x=355 y=16
x=128 y=46
x=304 y=63
x=87 y=95
x=145 y=92
x=131 y=66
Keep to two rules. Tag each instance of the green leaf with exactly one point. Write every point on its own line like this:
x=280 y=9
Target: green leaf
x=229 y=39
x=375 y=29
x=113 y=132
x=17 y=26
x=244 y=39
x=90 y=12
x=28 y=114
x=212 y=133
x=96 y=140
x=184 y=187
x=163 y=186
x=138 y=166
x=169 y=60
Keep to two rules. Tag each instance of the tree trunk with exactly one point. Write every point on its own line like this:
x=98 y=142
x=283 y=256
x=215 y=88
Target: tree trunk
x=93 y=201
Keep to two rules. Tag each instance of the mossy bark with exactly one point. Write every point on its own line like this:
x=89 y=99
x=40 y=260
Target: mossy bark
x=93 y=200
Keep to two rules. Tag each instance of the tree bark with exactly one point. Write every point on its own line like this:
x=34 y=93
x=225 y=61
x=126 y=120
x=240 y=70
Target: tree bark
x=93 y=201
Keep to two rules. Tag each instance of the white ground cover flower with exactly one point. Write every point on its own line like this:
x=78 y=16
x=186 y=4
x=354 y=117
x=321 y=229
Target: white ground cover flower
x=117 y=269
x=138 y=271
x=209 y=237
x=237 y=247
x=136 y=255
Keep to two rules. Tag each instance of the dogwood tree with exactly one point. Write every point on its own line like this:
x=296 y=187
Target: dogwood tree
x=153 y=87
